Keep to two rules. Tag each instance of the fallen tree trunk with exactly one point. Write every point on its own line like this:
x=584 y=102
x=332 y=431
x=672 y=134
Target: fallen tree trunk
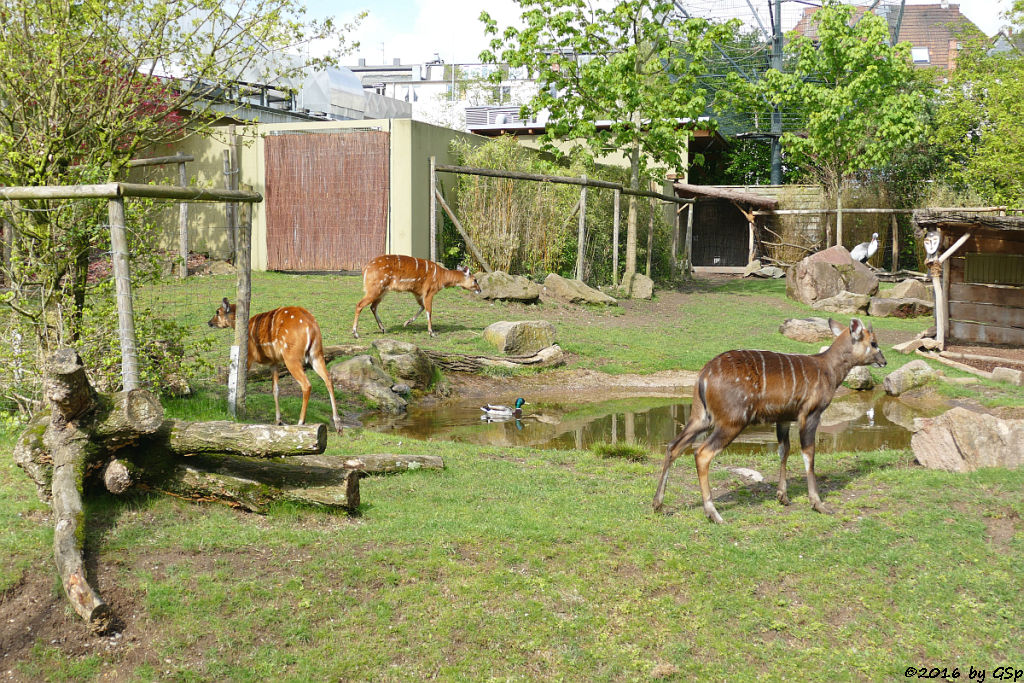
x=255 y=440
x=550 y=356
x=374 y=463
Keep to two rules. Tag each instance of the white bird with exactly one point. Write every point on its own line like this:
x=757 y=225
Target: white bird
x=865 y=250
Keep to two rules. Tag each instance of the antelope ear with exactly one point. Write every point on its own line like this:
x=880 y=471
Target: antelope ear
x=856 y=329
x=837 y=328
x=227 y=304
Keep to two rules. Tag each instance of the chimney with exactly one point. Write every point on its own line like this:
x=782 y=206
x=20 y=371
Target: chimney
x=397 y=61
x=944 y=4
x=362 y=61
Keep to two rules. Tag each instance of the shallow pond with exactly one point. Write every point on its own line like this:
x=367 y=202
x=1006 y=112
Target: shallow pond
x=859 y=421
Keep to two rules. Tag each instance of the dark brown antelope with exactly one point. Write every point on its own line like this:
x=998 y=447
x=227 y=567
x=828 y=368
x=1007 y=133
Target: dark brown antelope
x=288 y=335
x=395 y=273
x=738 y=388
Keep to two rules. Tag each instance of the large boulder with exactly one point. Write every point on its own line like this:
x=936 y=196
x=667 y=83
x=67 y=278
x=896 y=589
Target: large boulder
x=961 y=440
x=914 y=374
x=885 y=307
x=520 y=337
x=827 y=273
x=405 y=362
x=844 y=302
x=860 y=379
x=575 y=292
x=639 y=286
x=912 y=289
x=364 y=375
x=806 y=329
x=504 y=287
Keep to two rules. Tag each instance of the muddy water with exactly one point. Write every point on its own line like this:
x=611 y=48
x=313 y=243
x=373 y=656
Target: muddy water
x=859 y=421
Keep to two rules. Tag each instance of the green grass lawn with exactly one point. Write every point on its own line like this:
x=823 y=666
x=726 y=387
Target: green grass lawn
x=538 y=564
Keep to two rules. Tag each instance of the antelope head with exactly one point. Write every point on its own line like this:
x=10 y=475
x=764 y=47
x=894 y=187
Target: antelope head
x=225 y=315
x=864 y=348
x=468 y=280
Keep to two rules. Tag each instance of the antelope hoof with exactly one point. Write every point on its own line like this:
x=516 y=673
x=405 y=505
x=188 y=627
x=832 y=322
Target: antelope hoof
x=433 y=334
x=405 y=324
x=712 y=514
x=659 y=507
x=355 y=334
x=782 y=497
x=822 y=508
x=337 y=425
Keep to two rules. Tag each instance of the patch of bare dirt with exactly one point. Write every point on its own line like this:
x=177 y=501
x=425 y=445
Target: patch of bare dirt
x=1011 y=354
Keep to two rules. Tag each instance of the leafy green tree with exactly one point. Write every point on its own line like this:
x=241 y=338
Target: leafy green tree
x=633 y=66
x=856 y=97
x=979 y=123
x=87 y=84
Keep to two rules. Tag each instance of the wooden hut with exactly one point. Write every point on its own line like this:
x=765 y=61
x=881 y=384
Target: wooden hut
x=982 y=297
x=724 y=236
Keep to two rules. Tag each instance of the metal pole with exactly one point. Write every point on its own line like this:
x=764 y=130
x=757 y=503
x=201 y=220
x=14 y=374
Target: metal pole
x=183 y=225
x=776 y=151
x=123 y=289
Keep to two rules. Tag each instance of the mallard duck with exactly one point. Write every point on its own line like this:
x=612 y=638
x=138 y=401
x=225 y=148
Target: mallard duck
x=491 y=410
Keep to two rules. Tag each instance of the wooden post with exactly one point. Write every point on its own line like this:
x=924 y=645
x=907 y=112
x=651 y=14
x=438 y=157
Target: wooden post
x=182 y=224
x=895 y=244
x=675 y=241
x=123 y=289
x=688 y=253
x=650 y=234
x=231 y=173
x=433 y=208
x=8 y=247
x=242 y=298
x=616 y=201
x=839 y=216
x=581 y=236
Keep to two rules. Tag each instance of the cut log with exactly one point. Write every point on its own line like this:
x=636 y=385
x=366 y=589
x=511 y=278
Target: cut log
x=252 y=484
x=31 y=455
x=374 y=463
x=122 y=418
x=458 y=362
x=256 y=440
x=117 y=476
x=66 y=387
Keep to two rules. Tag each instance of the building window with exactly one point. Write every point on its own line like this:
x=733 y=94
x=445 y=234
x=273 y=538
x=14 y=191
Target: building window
x=920 y=55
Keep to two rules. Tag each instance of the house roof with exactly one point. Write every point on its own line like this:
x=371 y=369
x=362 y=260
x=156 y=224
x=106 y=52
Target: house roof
x=1007 y=227
x=935 y=27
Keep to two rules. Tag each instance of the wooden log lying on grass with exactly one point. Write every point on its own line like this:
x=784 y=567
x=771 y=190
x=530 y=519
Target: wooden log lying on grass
x=123 y=441
x=376 y=463
x=458 y=362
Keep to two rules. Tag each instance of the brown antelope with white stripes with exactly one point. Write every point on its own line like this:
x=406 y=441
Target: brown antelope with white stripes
x=738 y=388
x=288 y=335
x=396 y=273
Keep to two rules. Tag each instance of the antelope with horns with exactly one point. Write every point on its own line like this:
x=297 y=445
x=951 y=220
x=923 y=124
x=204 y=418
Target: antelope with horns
x=738 y=388
x=394 y=273
x=288 y=335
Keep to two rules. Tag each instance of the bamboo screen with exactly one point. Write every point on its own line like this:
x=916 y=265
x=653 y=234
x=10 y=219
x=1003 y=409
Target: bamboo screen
x=326 y=199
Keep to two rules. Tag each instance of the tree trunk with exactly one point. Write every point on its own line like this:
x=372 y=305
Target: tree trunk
x=375 y=463
x=631 y=220
x=262 y=441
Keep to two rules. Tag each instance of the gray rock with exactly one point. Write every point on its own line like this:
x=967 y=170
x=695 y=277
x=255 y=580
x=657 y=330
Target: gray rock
x=806 y=329
x=912 y=289
x=521 y=337
x=752 y=268
x=914 y=374
x=843 y=302
x=825 y=274
x=405 y=362
x=639 y=287
x=773 y=272
x=363 y=374
x=220 y=268
x=575 y=292
x=882 y=307
x=1010 y=375
x=402 y=389
x=504 y=287
x=961 y=440
x=860 y=379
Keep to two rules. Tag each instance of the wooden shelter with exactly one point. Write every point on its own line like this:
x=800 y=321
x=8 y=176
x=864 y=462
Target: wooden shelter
x=724 y=234
x=982 y=281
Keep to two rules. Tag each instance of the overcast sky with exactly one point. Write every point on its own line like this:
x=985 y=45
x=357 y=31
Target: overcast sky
x=413 y=30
